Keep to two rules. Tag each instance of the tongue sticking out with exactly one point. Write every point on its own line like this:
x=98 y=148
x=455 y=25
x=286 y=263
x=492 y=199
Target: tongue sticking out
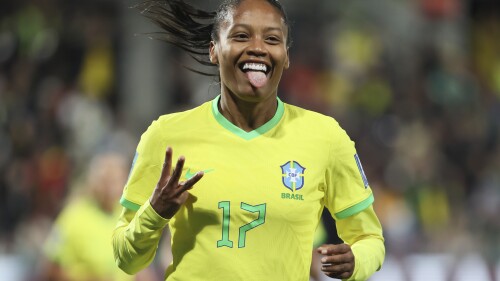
x=257 y=78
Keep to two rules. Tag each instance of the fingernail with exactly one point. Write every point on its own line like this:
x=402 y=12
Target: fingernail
x=323 y=260
x=324 y=252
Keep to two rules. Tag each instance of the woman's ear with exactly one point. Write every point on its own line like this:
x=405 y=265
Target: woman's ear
x=213 y=53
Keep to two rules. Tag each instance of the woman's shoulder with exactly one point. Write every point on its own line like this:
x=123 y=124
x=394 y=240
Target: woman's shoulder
x=185 y=115
x=175 y=121
x=317 y=125
x=310 y=117
x=180 y=118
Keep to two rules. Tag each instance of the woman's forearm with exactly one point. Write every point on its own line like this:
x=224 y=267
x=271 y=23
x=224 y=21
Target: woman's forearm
x=136 y=238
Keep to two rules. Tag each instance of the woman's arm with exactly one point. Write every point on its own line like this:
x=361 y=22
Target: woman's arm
x=136 y=238
x=363 y=251
x=363 y=233
x=137 y=234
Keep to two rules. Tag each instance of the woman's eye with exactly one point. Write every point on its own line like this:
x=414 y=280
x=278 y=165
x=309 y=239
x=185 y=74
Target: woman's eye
x=273 y=39
x=240 y=36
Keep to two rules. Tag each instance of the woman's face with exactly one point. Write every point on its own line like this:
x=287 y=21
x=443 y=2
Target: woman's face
x=251 y=51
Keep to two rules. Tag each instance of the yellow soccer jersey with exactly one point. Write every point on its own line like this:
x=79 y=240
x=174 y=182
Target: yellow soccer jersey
x=254 y=213
x=80 y=243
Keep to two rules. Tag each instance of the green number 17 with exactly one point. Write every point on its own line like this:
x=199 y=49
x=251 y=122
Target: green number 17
x=225 y=206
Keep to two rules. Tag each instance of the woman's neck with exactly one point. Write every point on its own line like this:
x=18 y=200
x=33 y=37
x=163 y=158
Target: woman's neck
x=247 y=115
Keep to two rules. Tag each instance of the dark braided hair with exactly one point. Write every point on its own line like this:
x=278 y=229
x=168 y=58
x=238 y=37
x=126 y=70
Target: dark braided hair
x=192 y=29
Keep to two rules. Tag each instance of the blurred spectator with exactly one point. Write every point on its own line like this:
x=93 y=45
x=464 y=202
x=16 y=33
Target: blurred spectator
x=78 y=247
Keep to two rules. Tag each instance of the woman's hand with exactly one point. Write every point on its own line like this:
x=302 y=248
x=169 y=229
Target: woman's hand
x=338 y=260
x=170 y=194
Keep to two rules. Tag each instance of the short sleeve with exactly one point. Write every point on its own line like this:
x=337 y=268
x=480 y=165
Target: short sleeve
x=347 y=188
x=145 y=170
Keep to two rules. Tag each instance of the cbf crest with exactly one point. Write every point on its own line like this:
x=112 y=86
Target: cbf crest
x=293 y=175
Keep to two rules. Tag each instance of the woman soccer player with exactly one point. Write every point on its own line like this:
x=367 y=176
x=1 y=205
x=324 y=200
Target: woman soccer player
x=253 y=174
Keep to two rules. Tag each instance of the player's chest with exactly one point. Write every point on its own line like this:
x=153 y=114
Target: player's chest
x=281 y=177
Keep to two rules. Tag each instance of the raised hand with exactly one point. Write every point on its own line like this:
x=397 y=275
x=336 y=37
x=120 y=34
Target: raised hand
x=338 y=260
x=170 y=194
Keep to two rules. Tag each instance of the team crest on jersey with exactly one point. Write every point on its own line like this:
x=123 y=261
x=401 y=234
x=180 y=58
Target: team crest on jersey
x=293 y=175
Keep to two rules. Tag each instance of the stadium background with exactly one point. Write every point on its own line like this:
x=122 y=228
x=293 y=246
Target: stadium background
x=416 y=83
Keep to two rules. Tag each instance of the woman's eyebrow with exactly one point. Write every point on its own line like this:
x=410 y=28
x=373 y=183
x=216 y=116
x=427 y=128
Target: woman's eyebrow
x=247 y=26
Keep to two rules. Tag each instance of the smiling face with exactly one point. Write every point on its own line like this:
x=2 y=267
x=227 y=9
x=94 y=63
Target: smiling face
x=251 y=50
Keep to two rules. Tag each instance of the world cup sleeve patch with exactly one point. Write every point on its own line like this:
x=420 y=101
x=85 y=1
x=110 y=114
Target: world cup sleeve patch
x=361 y=171
x=133 y=164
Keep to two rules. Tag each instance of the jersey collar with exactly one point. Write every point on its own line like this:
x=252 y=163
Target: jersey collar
x=241 y=133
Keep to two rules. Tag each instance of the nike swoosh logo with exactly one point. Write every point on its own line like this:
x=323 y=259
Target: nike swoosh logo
x=189 y=174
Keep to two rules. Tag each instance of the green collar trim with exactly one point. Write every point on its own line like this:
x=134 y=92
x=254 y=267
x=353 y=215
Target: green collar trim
x=241 y=133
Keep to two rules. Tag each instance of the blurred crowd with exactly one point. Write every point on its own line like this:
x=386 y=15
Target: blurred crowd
x=415 y=83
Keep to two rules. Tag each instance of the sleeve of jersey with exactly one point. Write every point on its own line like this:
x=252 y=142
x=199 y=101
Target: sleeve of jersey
x=145 y=170
x=136 y=238
x=347 y=191
x=364 y=233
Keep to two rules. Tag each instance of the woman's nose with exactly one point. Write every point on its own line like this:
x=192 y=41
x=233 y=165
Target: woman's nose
x=257 y=47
